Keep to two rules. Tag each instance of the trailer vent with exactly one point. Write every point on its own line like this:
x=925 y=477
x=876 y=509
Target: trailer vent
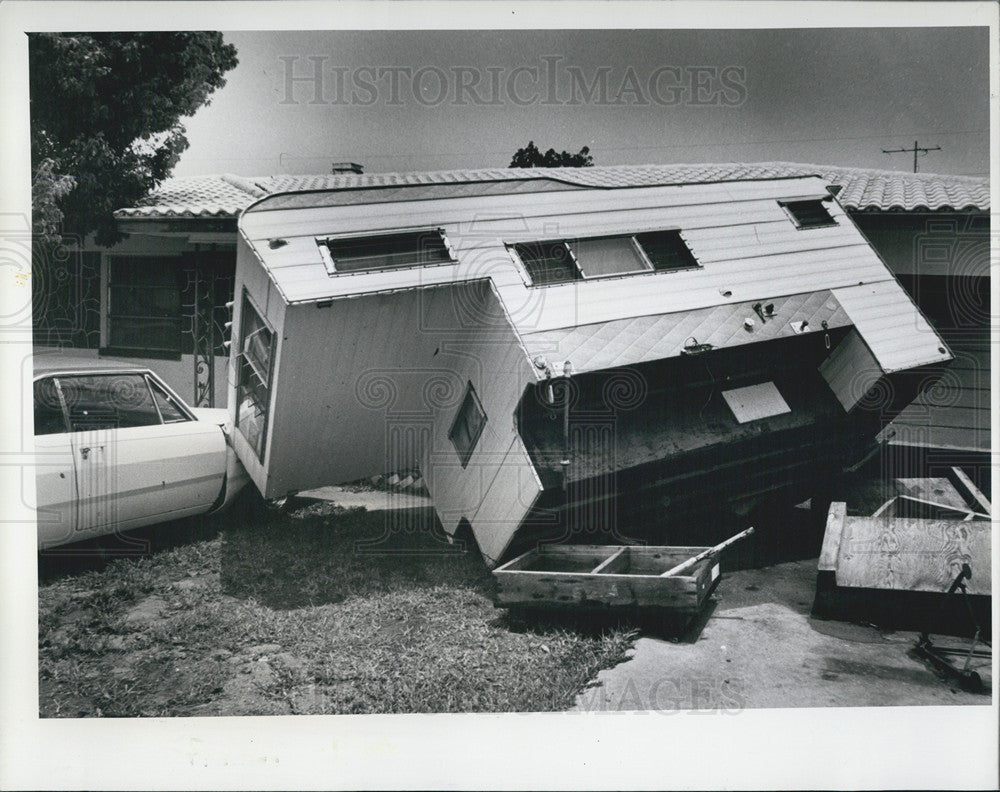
x=808 y=214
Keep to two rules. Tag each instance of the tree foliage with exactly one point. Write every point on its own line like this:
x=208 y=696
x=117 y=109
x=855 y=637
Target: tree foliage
x=105 y=119
x=531 y=157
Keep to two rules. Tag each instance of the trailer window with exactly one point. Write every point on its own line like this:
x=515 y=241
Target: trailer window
x=612 y=255
x=808 y=214
x=385 y=251
x=565 y=260
x=253 y=393
x=666 y=250
x=548 y=262
x=468 y=425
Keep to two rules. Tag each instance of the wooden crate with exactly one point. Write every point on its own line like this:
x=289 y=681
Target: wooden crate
x=606 y=576
x=893 y=567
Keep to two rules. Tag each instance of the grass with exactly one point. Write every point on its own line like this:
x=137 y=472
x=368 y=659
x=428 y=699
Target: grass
x=313 y=611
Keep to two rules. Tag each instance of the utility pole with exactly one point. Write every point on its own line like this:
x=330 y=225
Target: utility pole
x=915 y=149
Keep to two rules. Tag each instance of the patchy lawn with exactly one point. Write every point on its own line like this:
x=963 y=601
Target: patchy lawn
x=316 y=611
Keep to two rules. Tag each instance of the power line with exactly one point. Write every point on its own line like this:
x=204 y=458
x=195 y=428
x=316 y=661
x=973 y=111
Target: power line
x=916 y=149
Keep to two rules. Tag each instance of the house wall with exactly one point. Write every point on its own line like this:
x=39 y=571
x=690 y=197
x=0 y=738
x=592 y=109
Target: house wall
x=930 y=243
x=71 y=304
x=943 y=261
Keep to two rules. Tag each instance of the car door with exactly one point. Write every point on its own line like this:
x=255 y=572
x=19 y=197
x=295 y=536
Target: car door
x=195 y=453
x=132 y=468
x=55 y=481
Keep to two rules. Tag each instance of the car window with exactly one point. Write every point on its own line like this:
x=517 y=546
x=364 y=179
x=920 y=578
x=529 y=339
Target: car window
x=168 y=407
x=108 y=401
x=49 y=416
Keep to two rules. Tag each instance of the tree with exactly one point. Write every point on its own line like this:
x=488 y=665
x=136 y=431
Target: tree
x=105 y=120
x=531 y=157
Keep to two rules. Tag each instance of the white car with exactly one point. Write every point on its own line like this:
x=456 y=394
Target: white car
x=116 y=449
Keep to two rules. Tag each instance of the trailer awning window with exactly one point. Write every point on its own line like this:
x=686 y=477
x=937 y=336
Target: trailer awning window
x=468 y=425
x=808 y=214
x=666 y=250
x=254 y=391
x=616 y=255
x=548 y=262
x=563 y=260
x=385 y=251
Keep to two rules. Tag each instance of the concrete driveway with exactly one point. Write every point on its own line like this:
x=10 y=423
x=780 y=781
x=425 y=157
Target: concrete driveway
x=757 y=646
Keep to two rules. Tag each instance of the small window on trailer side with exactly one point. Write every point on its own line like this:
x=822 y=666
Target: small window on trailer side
x=467 y=426
x=548 y=262
x=385 y=251
x=598 y=257
x=562 y=261
x=666 y=250
x=254 y=386
x=808 y=214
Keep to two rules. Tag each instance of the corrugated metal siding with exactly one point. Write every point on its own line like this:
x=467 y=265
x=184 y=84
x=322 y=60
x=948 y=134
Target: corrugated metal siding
x=851 y=370
x=743 y=238
x=350 y=373
x=536 y=209
x=492 y=359
x=373 y=384
x=623 y=342
x=747 y=247
x=509 y=497
x=896 y=332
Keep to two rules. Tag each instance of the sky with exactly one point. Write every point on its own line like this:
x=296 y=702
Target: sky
x=438 y=100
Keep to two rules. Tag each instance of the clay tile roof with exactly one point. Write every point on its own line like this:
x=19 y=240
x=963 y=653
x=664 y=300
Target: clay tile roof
x=862 y=189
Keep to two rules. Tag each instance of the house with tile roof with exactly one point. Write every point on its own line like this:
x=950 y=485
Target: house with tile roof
x=559 y=357
x=161 y=294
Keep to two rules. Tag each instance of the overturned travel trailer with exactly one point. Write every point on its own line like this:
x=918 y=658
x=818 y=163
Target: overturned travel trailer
x=552 y=356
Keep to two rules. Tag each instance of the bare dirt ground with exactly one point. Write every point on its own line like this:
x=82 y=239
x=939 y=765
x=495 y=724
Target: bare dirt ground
x=319 y=610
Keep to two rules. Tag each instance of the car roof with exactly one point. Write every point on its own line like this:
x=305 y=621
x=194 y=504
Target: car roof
x=53 y=362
